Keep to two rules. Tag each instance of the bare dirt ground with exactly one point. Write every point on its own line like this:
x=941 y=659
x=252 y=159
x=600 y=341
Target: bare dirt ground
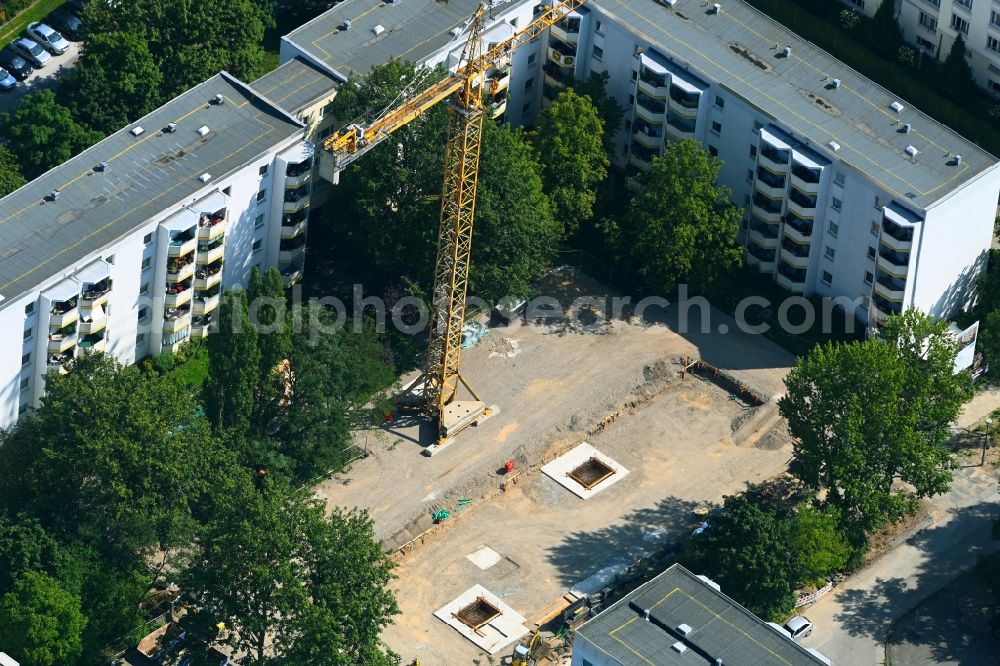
x=553 y=382
x=678 y=448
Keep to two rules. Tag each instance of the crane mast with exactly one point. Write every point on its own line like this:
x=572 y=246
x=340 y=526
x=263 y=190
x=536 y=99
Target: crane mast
x=436 y=390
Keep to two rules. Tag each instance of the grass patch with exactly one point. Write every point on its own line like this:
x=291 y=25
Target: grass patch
x=36 y=12
x=192 y=372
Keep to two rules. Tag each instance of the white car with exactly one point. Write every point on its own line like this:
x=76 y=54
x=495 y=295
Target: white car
x=31 y=51
x=795 y=629
x=7 y=81
x=48 y=37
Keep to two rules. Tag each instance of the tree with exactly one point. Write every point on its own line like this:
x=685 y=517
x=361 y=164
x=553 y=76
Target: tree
x=817 y=547
x=681 y=226
x=745 y=551
x=956 y=71
x=989 y=342
x=41 y=623
x=233 y=367
x=43 y=133
x=867 y=414
x=515 y=235
x=24 y=546
x=10 y=173
x=298 y=12
x=570 y=140
x=311 y=589
x=268 y=314
x=115 y=81
x=596 y=88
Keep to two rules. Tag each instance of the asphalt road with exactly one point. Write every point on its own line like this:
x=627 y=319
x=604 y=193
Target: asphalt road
x=45 y=78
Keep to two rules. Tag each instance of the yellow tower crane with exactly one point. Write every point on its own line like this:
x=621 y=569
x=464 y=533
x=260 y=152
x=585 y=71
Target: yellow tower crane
x=436 y=390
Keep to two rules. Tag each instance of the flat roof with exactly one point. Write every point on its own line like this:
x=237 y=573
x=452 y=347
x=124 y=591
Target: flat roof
x=146 y=174
x=413 y=30
x=719 y=628
x=743 y=50
x=296 y=85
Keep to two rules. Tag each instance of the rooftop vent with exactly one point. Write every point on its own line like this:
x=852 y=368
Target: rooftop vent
x=205 y=177
x=717 y=8
x=54 y=195
x=203 y=130
x=455 y=32
x=346 y=25
x=103 y=166
x=907 y=128
x=679 y=647
x=137 y=130
x=958 y=160
x=645 y=615
x=836 y=83
x=684 y=629
x=788 y=51
x=219 y=99
x=379 y=29
x=834 y=146
x=171 y=128
x=897 y=107
x=911 y=151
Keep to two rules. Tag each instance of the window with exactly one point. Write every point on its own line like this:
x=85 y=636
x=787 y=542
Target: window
x=261 y=195
x=513 y=22
x=144 y=289
x=925 y=44
x=263 y=171
x=717 y=127
x=830 y=253
x=532 y=58
x=964 y=3
x=834 y=230
x=878 y=203
x=994 y=85
x=27 y=334
x=960 y=24
x=713 y=151
x=139 y=339
x=147 y=239
x=839 y=179
x=526 y=109
x=22 y=410
x=26 y=359
x=29 y=308
x=757 y=125
x=24 y=383
x=599 y=26
x=143 y=314
x=259 y=222
x=995 y=17
x=836 y=203
x=719 y=102
x=631 y=100
x=257 y=244
x=993 y=44
x=635 y=75
x=628 y=125
x=874 y=228
x=598 y=53
x=110 y=259
x=860 y=4
x=587 y=663
x=827 y=278
x=871 y=252
x=145 y=263
x=869 y=277
x=227 y=190
x=749 y=175
x=753 y=152
x=746 y=200
x=529 y=84
x=928 y=22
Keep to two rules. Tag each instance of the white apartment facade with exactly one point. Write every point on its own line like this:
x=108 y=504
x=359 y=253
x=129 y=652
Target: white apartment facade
x=933 y=25
x=126 y=248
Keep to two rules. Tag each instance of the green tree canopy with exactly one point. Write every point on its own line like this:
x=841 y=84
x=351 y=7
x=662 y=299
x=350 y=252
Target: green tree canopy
x=745 y=551
x=313 y=586
x=868 y=413
x=41 y=623
x=515 y=237
x=570 y=140
x=233 y=367
x=681 y=227
x=816 y=544
x=43 y=134
x=596 y=88
x=114 y=82
x=956 y=69
x=10 y=172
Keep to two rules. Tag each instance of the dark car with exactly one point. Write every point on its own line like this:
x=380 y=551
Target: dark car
x=66 y=22
x=76 y=5
x=15 y=64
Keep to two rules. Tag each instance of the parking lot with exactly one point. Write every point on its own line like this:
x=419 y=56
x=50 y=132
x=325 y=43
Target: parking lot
x=41 y=79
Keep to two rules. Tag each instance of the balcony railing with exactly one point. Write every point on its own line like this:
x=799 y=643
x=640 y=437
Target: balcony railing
x=777 y=156
x=688 y=100
x=900 y=233
x=795 y=248
x=296 y=169
x=654 y=106
x=96 y=294
x=765 y=255
x=763 y=228
x=684 y=126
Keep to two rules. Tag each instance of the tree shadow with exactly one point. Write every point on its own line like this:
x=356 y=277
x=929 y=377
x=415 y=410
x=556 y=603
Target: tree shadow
x=601 y=553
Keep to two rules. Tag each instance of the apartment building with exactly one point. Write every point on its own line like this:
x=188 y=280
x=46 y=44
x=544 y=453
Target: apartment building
x=681 y=618
x=848 y=190
x=125 y=248
x=933 y=25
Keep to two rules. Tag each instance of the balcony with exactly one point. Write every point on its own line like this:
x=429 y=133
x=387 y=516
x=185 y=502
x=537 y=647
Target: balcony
x=567 y=30
x=683 y=111
x=57 y=362
x=764 y=259
x=893 y=263
x=649 y=109
x=210 y=228
x=648 y=136
x=684 y=102
x=806 y=179
x=179 y=270
x=298 y=169
x=798 y=229
x=295 y=206
x=64 y=312
x=791 y=278
x=897 y=237
x=211 y=252
x=176 y=319
x=642 y=157
x=890 y=288
x=200 y=326
x=96 y=294
x=763 y=234
x=291 y=231
x=207 y=280
x=497 y=109
x=652 y=84
x=885 y=308
x=769 y=184
x=556 y=76
x=204 y=305
x=680 y=127
x=291 y=275
x=95 y=325
x=801 y=205
x=177 y=295
x=768 y=210
x=563 y=56
x=773 y=158
x=499 y=81
x=91 y=344
x=789 y=284
x=182 y=245
x=794 y=254
x=63 y=341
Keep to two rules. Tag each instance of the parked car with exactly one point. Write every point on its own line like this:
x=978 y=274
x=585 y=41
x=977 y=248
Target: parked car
x=7 y=81
x=48 y=37
x=76 y=5
x=799 y=627
x=66 y=22
x=31 y=51
x=15 y=64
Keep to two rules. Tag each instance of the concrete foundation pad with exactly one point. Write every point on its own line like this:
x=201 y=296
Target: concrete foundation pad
x=484 y=558
x=558 y=470
x=493 y=636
